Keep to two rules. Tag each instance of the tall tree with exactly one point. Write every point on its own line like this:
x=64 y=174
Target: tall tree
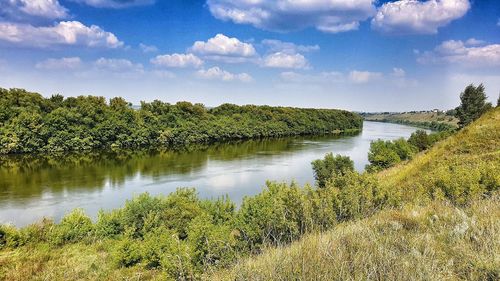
x=473 y=104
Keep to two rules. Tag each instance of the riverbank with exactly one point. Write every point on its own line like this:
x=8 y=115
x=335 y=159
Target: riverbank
x=52 y=185
x=31 y=123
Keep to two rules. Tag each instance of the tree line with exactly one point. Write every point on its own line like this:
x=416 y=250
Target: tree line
x=30 y=123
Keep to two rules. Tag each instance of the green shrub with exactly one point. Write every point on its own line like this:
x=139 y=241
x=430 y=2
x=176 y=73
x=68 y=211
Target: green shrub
x=137 y=210
x=109 y=224
x=279 y=214
x=127 y=252
x=323 y=169
x=181 y=207
x=158 y=243
x=74 y=227
x=382 y=155
x=213 y=245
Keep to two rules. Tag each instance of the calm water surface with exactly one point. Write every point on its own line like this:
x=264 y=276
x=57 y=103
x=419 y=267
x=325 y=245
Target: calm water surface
x=33 y=188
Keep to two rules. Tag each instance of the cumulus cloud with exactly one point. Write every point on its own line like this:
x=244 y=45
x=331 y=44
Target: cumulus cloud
x=118 y=65
x=284 y=60
x=216 y=73
x=224 y=48
x=60 y=64
x=116 y=4
x=148 y=48
x=63 y=33
x=421 y=17
x=177 y=61
x=288 y=47
x=465 y=54
x=324 y=15
x=25 y=10
x=360 y=77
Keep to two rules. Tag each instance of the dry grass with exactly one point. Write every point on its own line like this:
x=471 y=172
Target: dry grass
x=71 y=262
x=436 y=242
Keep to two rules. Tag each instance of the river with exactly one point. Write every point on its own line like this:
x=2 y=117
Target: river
x=37 y=187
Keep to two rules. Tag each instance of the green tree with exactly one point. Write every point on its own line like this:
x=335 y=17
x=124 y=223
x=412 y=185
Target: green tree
x=324 y=168
x=473 y=104
x=382 y=155
x=420 y=139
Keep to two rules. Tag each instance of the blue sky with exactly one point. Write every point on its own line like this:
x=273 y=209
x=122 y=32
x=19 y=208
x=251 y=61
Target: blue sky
x=358 y=54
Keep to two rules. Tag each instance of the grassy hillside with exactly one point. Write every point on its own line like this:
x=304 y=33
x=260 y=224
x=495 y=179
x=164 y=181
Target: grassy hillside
x=437 y=242
x=426 y=119
x=455 y=167
x=431 y=238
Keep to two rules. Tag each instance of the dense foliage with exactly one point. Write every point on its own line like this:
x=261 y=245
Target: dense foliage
x=31 y=123
x=385 y=154
x=472 y=104
x=325 y=168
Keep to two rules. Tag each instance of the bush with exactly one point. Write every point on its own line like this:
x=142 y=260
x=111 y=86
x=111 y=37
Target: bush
x=382 y=155
x=109 y=224
x=74 y=227
x=213 y=245
x=135 y=212
x=279 y=214
x=420 y=140
x=127 y=252
x=324 y=169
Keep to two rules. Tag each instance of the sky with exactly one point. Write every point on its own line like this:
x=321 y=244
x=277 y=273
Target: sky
x=363 y=55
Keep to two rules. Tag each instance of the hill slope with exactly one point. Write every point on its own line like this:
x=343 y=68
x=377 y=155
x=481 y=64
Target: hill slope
x=426 y=119
x=438 y=240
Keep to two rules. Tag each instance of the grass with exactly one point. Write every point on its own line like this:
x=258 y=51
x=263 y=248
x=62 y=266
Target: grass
x=470 y=153
x=435 y=242
x=79 y=261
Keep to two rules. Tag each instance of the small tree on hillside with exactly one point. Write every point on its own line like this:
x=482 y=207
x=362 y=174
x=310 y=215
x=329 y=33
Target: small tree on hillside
x=325 y=168
x=473 y=104
x=498 y=101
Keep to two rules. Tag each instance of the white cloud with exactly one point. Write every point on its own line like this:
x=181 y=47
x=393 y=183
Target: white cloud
x=360 y=77
x=325 y=15
x=398 y=72
x=458 y=52
x=474 y=42
x=288 y=47
x=177 y=60
x=225 y=49
x=60 y=64
x=421 y=17
x=163 y=74
x=216 y=73
x=284 y=60
x=116 y=4
x=323 y=77
x=14 y=10
x=63 y=33
x=118 y=65
x=148 y=48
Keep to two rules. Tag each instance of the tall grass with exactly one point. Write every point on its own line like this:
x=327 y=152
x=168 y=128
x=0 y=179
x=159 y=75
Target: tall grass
x=435 y=242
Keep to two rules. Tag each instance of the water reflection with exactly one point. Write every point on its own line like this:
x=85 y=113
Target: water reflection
x=33 y=187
